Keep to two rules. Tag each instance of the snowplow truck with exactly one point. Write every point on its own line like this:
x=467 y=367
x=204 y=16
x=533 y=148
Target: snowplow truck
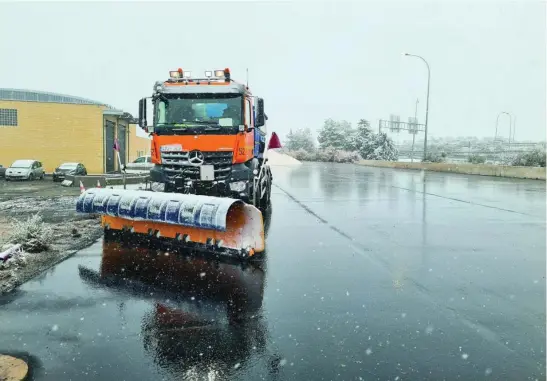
x=210 y=182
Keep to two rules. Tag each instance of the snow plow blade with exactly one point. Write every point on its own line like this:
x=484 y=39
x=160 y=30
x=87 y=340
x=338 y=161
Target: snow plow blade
x=216 y=224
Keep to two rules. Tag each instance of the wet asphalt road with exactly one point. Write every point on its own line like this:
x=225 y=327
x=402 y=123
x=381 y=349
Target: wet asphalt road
x=371 y=274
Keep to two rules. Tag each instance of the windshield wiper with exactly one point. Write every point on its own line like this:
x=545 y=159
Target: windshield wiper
x=190 y=123
x=203 y=122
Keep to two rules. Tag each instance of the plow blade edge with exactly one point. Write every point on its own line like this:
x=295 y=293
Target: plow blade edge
x=214 y=223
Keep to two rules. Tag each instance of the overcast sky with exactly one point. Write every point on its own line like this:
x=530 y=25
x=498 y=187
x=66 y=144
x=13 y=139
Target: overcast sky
x=310 y=61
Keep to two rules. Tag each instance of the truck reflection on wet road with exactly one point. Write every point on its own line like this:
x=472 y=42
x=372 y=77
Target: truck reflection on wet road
x=206 y=317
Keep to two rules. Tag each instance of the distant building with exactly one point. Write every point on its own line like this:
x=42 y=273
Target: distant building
x=55 y=128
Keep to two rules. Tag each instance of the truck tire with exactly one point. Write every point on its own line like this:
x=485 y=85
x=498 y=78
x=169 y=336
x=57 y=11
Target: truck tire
x=264 y=202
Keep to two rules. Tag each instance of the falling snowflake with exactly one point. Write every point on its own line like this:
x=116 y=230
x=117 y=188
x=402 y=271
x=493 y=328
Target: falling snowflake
x=202 y=275
x=347 y=293
x=283 y=362
x=488 y=371
x=429 y=330
x=82 y=318
x=55 y=327
x=465 y=356
x=403 y=315
x=368 y=352
x=237 y=365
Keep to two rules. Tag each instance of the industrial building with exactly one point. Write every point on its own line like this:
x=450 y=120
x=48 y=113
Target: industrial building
x=54 y=128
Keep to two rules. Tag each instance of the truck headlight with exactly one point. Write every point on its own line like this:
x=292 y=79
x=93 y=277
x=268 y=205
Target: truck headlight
x=157 y=187
x=238 y=186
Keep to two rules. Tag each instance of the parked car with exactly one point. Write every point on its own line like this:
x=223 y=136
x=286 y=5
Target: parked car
x=64 y=169
x=25 y=170
x=2 y=171
x=140 y=165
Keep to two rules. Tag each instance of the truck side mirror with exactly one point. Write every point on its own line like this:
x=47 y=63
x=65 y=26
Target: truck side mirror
x=260 y=116
x=142 y=114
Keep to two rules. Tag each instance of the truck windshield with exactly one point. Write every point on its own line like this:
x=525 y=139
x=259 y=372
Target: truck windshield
x=199 y=110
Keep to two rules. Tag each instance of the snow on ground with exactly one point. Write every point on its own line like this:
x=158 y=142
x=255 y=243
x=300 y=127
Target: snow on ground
x=280 y=159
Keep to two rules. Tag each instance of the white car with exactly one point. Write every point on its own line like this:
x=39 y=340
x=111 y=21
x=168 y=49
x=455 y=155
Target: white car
x=25 y=170
x=143 y=164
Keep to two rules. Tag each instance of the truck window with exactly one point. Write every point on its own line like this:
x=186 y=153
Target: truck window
x=248 y=113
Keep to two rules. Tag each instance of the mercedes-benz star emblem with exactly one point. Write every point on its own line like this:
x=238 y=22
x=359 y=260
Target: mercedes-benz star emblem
x=196 y=158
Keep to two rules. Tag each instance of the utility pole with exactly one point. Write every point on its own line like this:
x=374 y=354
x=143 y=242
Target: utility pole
x=427 y=99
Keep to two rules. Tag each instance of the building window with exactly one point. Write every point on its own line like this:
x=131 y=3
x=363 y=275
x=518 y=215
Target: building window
x=8 y=117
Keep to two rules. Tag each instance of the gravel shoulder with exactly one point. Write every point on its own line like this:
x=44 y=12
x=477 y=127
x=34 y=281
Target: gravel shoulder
x=56 y=204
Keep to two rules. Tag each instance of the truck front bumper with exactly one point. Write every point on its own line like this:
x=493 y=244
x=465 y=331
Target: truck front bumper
x=236 y=185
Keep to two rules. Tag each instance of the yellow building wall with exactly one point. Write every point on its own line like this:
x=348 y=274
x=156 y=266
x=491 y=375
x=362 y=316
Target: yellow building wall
x=54 y=133
x=138 y=146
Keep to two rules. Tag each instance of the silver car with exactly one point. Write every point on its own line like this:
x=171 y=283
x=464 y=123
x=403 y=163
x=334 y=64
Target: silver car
x=143 y=164
x=25 y=170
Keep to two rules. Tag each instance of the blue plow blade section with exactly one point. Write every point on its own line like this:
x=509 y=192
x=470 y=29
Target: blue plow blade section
x=203 y=212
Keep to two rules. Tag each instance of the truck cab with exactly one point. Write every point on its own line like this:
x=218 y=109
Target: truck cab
x=208 y=136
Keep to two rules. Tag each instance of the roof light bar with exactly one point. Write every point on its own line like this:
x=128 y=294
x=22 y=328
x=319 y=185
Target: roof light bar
x=175 y=74
x=208 y=74
x=187 y=74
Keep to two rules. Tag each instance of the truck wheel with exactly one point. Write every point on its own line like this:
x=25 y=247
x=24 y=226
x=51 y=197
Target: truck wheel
x=31 y=177
x=264 y=202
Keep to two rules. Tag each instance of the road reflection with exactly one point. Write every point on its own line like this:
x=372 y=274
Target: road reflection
x=204 y=317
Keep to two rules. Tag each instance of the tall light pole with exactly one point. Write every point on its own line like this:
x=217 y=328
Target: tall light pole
x=498 y=120
x=414 y=132
x=514 y=127
x=427 y=99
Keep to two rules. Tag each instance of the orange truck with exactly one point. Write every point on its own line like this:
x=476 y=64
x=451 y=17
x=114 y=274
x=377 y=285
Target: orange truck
x=210 y=181
x=208 y=137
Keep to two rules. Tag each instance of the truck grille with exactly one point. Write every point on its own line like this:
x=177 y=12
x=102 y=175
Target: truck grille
x=176 y=163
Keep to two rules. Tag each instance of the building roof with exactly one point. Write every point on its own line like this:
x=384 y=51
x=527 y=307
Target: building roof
x=46 y=97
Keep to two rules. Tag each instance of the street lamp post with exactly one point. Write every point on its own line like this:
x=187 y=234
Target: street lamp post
x=414 y=132
x=498 y=120
x=427 y=99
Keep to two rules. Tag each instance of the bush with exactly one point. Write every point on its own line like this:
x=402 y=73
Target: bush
x=535 y=158
x=346 y=157
x=328 y=154
x=33 y=234
x=476 y=159
x=434 y=157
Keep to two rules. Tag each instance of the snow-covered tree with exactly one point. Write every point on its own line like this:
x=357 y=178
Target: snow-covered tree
x=364 y=140
x=332 y=134
x=301 y=139
x=384 y=149
x=348 y=133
